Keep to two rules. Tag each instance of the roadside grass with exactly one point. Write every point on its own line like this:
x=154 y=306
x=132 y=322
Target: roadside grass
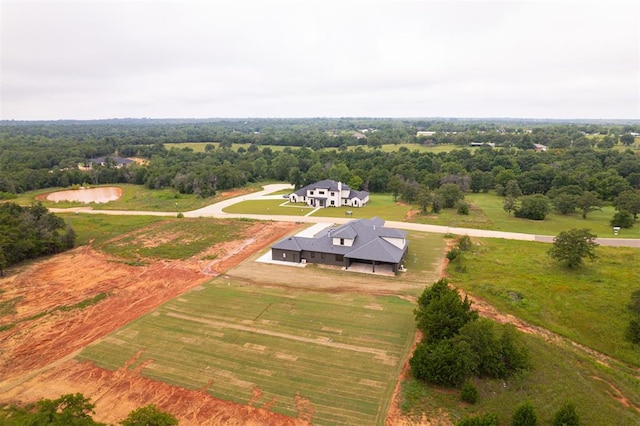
x=587 y=305
x=486 y=212
x=175 y=238
x=98 y=228
x=269 y=207
x=560 y=374
x=342 y=351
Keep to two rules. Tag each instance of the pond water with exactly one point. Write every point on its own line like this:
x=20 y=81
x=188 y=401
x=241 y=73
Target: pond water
x=87 y=195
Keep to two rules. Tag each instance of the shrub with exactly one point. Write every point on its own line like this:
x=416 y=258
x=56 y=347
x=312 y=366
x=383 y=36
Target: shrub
x=444 y=363
x=481 y=420
x=566 y=416
x=525 y=415
x=534 y=207
x=180 y=215
x=632 y=333
x=623 y=219
x=469 y=392
x=464 y=243
x=453 y=254
x=463 y=208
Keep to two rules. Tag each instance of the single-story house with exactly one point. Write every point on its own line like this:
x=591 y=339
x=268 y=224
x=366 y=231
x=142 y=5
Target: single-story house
x=360 y=241
x=329 y=193
x=103 y=161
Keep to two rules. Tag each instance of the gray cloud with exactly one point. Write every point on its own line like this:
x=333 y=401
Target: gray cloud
x=90 y=59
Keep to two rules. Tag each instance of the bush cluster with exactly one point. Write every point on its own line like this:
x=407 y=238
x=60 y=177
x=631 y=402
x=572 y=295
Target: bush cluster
x=457 y=345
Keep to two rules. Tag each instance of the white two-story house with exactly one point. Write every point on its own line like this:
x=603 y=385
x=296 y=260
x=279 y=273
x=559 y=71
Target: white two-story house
x=329 y=193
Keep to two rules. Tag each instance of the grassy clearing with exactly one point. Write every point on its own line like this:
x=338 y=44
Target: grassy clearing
x=100 y=228
x=341 y=351
x=487 y=213
x=175 y=238
x=559 y=375
x=587 y=305
x=200 y=147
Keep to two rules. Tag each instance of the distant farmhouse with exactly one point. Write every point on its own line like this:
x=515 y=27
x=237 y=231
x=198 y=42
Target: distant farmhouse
x=103 y=161
x=329 y=193
x=364 y=242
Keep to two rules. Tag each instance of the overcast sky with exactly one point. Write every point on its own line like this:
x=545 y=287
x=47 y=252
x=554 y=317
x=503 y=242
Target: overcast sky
x=89 y=59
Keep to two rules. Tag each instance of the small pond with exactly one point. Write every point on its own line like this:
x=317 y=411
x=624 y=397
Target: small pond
x=87 y=195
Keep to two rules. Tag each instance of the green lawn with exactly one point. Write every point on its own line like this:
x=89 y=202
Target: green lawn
x=100 y=228
x=381 y=205
x=200 y=147
x=487 y=213
x=587 y=305
x=341 y=351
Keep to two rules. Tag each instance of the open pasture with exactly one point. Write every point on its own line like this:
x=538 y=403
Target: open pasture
x=587 y=305
x=343 y=352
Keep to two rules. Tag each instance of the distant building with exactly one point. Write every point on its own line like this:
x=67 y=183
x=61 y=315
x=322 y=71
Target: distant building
x=329 y=193
x=539 y=148
x=103 y=161
x=424 y=134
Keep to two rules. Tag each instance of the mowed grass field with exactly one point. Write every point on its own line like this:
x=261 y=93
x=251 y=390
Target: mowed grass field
x=337 y=339
x=343 y=352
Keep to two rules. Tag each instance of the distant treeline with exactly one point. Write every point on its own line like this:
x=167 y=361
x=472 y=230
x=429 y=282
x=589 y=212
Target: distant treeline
x=36 y=155
x=30 y=232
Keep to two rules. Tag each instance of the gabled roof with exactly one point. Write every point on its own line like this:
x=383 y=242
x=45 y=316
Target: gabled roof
x=368 y=244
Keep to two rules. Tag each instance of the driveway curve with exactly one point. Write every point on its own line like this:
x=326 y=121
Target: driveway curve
x=216 y=210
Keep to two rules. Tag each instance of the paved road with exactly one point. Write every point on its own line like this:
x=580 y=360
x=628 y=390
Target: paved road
x=216 y=210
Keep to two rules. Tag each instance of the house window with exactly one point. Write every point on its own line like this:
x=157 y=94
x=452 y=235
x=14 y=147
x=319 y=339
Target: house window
x=313 y=255
x=339 y=258
x=321 y=192
x=310 y=192
x=333 y=203
x=284 y=255
x=341 y=241
x=333 y=193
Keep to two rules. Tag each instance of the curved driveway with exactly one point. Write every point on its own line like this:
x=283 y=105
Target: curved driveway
x=216 y=210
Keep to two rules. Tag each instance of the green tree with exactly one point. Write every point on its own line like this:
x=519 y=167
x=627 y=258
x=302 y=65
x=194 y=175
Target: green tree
x=632 y=333
x=67 y=410
x=571 y=247
x=448 y=362
x=566 y=416
x=149 y=415
x=510 y=204
x=628 y=201
x=588 y=202
x=525 y=415
x=441 y=312
x=535 y=207
x=627 y=139
x=450 y=193
x=565 y=203
x=623 y=219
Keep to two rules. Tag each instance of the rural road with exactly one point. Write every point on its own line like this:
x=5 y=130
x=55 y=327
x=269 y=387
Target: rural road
x=216 y=210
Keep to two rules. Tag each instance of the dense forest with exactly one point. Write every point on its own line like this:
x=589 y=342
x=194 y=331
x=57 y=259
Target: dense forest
x=594 y=157
x=29 y=232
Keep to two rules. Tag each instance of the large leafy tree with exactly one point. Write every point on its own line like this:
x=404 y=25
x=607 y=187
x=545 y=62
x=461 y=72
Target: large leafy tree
x=535 y=207
x=628 y=201
x=441 y=312
x=571 y=247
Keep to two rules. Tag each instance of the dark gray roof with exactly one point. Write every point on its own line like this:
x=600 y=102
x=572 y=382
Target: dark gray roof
x=368 y=244
x=331 y=185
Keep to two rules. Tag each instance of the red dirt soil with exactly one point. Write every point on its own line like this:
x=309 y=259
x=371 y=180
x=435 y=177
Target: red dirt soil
x=36 y=353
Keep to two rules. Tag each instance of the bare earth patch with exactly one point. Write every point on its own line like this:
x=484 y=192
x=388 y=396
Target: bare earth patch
x=36 y=352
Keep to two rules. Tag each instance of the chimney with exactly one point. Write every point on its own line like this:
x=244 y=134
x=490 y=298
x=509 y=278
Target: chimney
x=340 y=188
